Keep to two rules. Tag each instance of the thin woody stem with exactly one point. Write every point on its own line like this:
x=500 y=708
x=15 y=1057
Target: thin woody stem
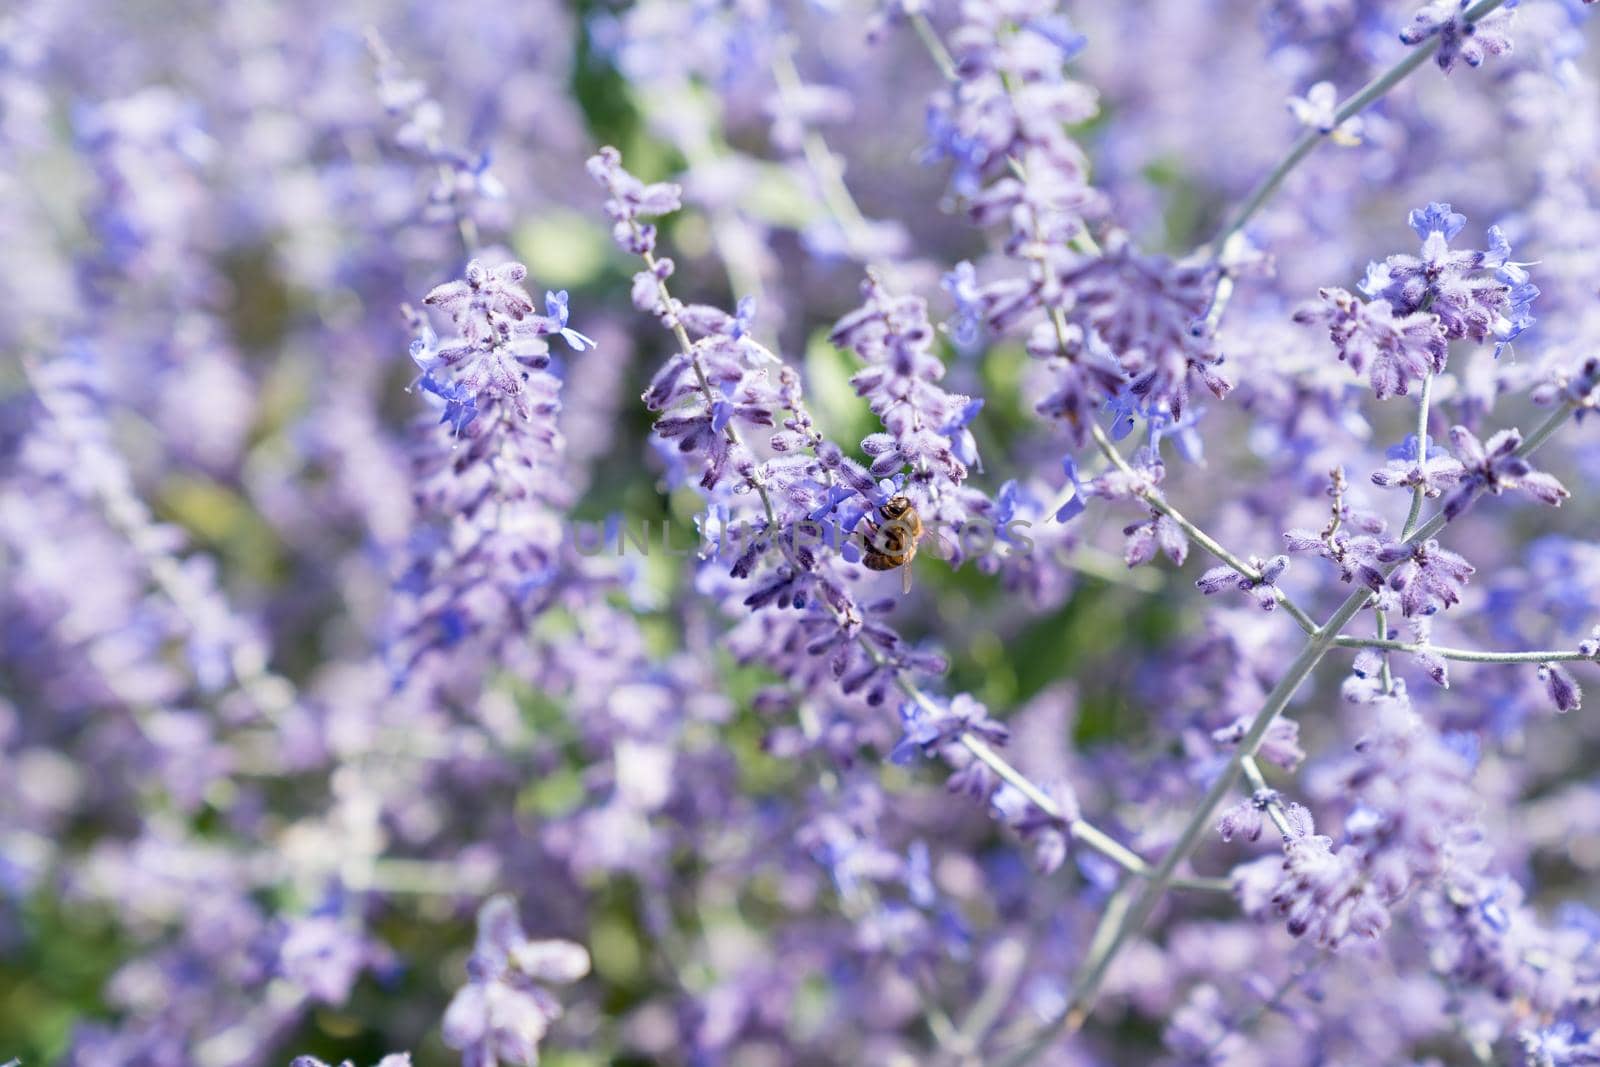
x=936 y=49
x=1466 y=655
x=1258 y=785
x=1420 y=491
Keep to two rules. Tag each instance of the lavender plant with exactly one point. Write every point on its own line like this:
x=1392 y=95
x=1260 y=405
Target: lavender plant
x=1008 y=532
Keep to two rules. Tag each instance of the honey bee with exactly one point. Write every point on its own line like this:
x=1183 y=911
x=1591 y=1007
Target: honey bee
x=892 y=542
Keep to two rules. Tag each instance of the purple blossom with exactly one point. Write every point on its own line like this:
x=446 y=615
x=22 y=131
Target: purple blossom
x=555 y=305
x=961 y=283
x=1459 y=37
x=1318 y=109
x=1427 y=577
x=1323 y=894
x=630 y=201
x=1392 y=350
x=1280 y=745
x=1047 y=833
x=1246 y=819
x=1562 y=1044
x=1158 y=531
x=928 y=731
x=462 y=183
x=1352 y=542
x=323 y=956
x=1561 y=686
x=479 y=572
x=1475 y=294
x=925 y=427
x=280 y=634
x=1263 y=587
x=1495 y=466
x=1436 y=473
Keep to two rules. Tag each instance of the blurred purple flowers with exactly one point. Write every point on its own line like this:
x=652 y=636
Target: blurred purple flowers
x=839 y=609
x=504 y=1010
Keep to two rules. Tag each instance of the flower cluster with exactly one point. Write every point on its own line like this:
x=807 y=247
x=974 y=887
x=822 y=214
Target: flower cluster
x=926 y=436
x=1411 y=822
x=1107 y=322
x=488 y=469
x=857 y=637
x=1461 y=37
x=1417 y=305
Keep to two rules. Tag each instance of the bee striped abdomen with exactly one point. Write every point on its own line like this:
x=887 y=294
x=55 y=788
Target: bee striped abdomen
x=892 y=542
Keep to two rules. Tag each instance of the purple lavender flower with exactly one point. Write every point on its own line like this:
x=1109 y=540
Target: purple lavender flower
x=1561 y=1044
x=961 y=283
x=1393 y=350
x=491 y=483
x=1562 y=687
x=324 y=956
x=192 y=489
x=1427 y=578
x=1048 y=834
x=1438 y=472
x=1318 y=110
x=1263 y=587
x=1475 y=294
x=1158 y=531
x=978 y=127
x=1280 y=745
x=1576 y=384
x=630 y=201
x=1493 y=467
x=925 y=426
x=1323 y=894
x=1085 y=376
x=1319 y=890
x=928 y=731
x=1352 y=541
x=1246 y=819
x=1459 y=38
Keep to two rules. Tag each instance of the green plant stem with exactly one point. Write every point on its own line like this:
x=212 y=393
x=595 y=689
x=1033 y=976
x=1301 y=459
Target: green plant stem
x=1466 y=655
x=1418 y=492
x=936 y=49
x=1386 y=673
